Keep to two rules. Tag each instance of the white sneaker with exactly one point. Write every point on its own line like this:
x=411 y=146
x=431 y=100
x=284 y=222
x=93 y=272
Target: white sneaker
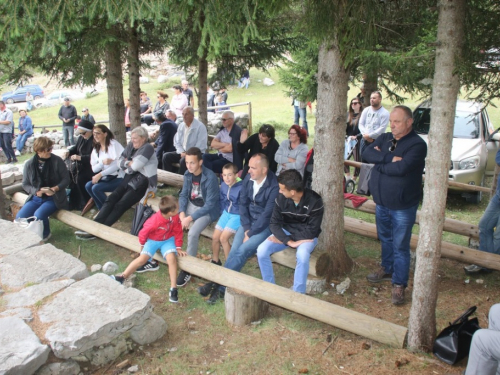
x=17 y=153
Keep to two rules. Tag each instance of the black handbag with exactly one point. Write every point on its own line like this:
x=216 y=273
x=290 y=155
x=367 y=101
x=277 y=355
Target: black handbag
x=364 y=178
x=453 y=343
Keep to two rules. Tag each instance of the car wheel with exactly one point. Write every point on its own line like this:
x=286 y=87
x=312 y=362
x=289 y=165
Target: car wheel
x=349 y=186
x=475 y=197
x=38 y=97
x=10 y=101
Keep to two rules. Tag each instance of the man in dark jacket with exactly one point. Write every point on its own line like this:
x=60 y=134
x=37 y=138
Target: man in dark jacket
x=68 y=115
x=395 y=184
x=296 y=222
x=165 y=141
x=257 y=195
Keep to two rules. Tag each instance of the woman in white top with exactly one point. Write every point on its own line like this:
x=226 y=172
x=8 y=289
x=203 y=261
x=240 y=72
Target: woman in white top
x=104 y=162
x=292 y=153
x=179 y=101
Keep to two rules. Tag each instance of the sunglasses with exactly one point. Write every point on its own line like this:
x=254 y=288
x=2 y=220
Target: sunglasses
x=292 y=133
x=394 y=145
x=97 y=133
x=355 y=103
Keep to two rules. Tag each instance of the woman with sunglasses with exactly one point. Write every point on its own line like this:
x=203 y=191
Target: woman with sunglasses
x=264 y=142
x=292 y=153
x=352 y=132
x=104 y=163
x=45 y=179
x=161 y=105
x=80 y=168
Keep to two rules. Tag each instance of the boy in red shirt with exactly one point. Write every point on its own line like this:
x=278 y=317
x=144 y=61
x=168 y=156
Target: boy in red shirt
x=162 y=231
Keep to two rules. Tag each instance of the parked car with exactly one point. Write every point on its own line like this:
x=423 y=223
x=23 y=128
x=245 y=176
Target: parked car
x=19 y=94
x=474 y=147
x=57 y=98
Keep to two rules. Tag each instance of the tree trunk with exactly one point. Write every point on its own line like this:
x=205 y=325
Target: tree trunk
x=202 y=88
x=3 y=213
x=328 y=175
x=370 y=84
x=446 y=85
x=114 y=81
x=134 y=88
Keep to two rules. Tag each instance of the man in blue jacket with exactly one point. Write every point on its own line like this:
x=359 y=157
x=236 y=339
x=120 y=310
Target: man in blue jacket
x=257 y=196
x=198 y=203
x=395 y=184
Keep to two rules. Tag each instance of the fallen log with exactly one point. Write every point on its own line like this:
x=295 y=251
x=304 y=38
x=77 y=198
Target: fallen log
x=449 y=225
x=9 y=190
x=337 y=316
x=169 y=178
x=448 y=250
x=459 y=185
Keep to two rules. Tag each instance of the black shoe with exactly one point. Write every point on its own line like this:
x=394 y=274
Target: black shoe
x=149 y=266
x=206 y=289
x=14 y=160
x=216 y=295
x=9 y=161
x=120 y=279
x=183 y=279
x=172 y=295
x=218 y=263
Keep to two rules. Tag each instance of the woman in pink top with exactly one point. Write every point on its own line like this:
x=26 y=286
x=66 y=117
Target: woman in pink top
x=179 y=101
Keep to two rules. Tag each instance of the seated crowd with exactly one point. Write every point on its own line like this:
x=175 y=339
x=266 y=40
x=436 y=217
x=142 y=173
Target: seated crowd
x=254 y=171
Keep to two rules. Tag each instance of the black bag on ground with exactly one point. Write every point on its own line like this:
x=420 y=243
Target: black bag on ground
x=364 y=178
x=453 y=343
x=141 y=214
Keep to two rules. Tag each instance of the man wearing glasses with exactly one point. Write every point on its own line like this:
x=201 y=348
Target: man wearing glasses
x=373 y=121
x=395 y=184
x=87 y=116
x=225 y=142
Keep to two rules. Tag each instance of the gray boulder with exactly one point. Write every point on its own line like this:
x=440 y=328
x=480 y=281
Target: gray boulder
x=90 y=313
x=19 y=312
x=20 y=350
x=46 y=263
x=69 y=367
x=32 y=294
x=110 y=268
x=149 y=331
x=18 y=238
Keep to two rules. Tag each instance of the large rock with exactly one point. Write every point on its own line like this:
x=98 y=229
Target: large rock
x=40 y=264
x=19 y=312
x=149 y=331
x=90 y=313
x=8 y=178
x=17 y=240
x=31 y=295
x=20 y=350
x=60 y=368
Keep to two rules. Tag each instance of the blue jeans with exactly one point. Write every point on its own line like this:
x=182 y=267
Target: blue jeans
x=301 y=113
x=42 y=208
x=214 y=162
x=21 y=140
x=489 y=227
x=267 y=248
x=68 y=135
x=99 y=190
x=6 y=144
x=394 y=232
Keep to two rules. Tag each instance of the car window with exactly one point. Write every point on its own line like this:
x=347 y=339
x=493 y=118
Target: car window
x=422 y=120
x=466 y=125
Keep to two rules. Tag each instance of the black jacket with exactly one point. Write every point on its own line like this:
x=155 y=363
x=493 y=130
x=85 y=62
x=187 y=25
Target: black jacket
x=302 y=221
x=165 y=141
x=253 y=146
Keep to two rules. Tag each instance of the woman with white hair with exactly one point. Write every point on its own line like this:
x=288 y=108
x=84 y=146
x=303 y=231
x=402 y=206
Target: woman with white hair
x=138 y=162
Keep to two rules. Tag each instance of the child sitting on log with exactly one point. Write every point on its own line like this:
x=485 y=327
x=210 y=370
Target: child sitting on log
x=229 y=221
x=162 y=231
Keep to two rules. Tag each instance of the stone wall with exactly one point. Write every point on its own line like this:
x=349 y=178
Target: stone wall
x=48 y=296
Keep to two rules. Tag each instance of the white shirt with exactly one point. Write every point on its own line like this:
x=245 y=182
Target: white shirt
x=373 y=121
x=257 y=186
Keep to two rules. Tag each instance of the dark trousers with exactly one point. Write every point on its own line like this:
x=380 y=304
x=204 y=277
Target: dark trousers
x=6 y=143
x=173 y=157
x=214 y=162
x=120 y=201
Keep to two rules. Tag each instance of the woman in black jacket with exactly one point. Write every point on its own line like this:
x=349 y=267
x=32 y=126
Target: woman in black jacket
x=263 y=142
x=45 y=179
x=80 y=167
x=352 y=131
